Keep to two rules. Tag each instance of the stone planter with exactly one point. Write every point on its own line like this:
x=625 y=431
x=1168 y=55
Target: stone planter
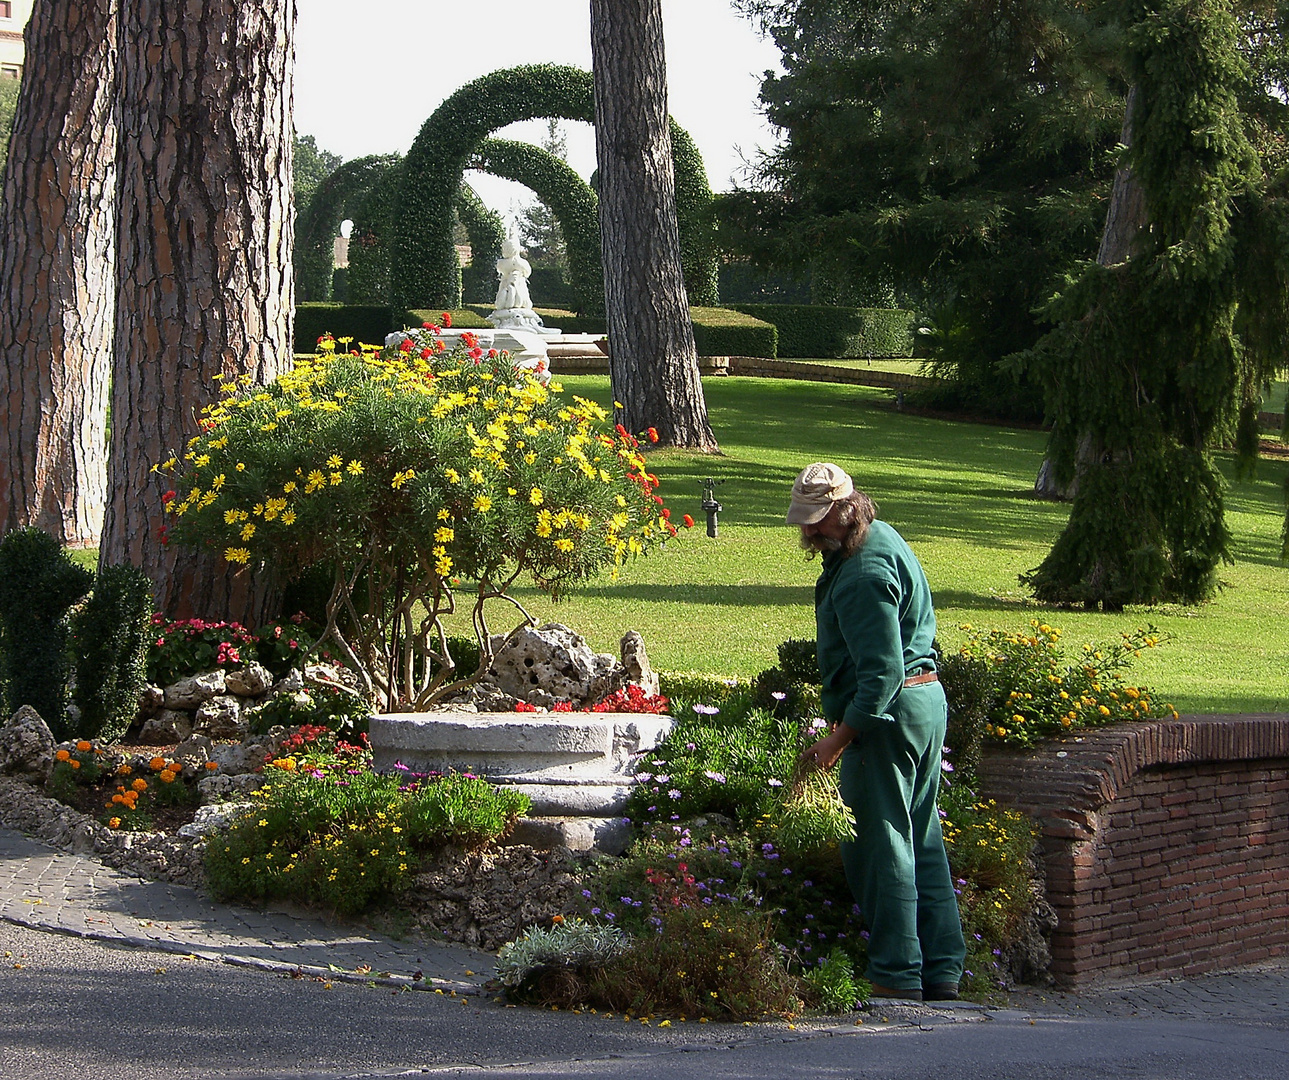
x=1166 y=843
x=577 y=768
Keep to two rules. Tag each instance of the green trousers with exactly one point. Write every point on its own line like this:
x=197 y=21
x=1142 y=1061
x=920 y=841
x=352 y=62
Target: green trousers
x=896 y=865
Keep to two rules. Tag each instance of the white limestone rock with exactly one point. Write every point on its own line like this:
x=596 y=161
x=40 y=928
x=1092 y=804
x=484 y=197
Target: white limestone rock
x=193 y=753
x=169 y=726
x=552 y=659
x=215 y=817
x=26 y=746
x=193 y=692
x=249 y=681
x=219 y=717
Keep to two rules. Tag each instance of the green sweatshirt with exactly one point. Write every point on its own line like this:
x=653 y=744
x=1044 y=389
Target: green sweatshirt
x=875 y=627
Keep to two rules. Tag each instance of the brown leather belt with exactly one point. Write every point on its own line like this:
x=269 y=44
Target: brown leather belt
x=925 y=677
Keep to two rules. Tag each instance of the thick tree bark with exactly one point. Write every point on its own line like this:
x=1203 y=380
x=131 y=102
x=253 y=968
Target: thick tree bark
x=652 y=360
x=56 y=275
x=1125 y=218
x=204 y=268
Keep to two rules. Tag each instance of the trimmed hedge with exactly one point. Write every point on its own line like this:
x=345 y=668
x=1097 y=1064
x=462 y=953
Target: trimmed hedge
x=725 y=332
x=486 y=231
x=338 y=196
x=569 y=198
x=462 y=318
x=363 y=322
x=717 y=331
x=811 y=330
x=427 y=274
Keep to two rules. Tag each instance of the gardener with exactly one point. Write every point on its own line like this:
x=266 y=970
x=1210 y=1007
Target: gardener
x=887 y=709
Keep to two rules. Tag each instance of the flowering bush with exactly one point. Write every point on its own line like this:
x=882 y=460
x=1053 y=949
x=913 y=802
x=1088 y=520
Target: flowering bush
x=327 y=830
x=188 y=646
x=1025 y=687
x=407 y=470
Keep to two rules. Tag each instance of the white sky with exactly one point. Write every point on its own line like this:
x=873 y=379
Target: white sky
x=366 y=82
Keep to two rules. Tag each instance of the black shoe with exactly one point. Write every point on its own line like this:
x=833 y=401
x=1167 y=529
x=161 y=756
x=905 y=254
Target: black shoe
x=945 y=991
x=898 y=995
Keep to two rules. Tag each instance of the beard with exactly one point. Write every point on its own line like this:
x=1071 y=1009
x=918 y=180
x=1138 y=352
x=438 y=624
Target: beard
x=819 y=545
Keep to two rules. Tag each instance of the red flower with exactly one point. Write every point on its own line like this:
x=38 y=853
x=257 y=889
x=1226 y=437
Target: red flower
x=619 y=429
x=689 y=522
x=653 y=434
x=406 y=346
x=664 y=512
x=492 y=354
x=167 y=496
x=447 y=320
x=425 y=354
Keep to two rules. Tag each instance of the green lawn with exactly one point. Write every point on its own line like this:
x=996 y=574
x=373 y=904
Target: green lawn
x=904 y=367
x=960 y=493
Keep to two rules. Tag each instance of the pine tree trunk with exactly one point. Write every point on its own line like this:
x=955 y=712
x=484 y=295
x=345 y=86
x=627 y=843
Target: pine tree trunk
x=652 y=360
x=204 y=269
x=56 y=275
x=1125 y=218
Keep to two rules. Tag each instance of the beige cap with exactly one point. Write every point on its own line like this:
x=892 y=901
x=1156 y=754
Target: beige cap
x=815 y=490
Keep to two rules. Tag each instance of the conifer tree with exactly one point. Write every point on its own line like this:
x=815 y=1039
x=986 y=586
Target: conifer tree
x=1159 y=355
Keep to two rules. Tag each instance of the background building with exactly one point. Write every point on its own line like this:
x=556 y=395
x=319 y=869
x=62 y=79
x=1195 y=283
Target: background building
x=13 y=17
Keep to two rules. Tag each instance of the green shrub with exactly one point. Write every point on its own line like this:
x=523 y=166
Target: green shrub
x=364 y=323
x=344 y=714
x=701 y=963
x=799 y=660
x=834 y=983
x=110 y=636
x=38 y=584
x=726 y=332
x=813 y=330
x=539 y=966
x=327 y=830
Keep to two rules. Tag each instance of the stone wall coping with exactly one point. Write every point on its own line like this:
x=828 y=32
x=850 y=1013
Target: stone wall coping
x=1065 y=783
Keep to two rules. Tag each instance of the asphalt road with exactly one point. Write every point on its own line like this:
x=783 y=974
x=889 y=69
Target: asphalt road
x=71 y=1007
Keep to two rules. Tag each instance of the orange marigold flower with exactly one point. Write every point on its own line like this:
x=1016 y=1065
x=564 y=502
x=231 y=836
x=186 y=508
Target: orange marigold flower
x=167 y=777
x=212 y=765
x=140 y=784
x=114 y=823
x=84 y=745
x=557 y=919
x=118 y=799
x=63 y=755
x=123 y=770
x=175 y=767
x=74 y=763
x=157 y=763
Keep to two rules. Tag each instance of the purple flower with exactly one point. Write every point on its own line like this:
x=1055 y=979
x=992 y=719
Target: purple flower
x=779 y=695
x=706 y=710
x=595 y=911
x=774 y=783
x=718 y=777
x=946 y=767
x=673 y=794
x=586 y=893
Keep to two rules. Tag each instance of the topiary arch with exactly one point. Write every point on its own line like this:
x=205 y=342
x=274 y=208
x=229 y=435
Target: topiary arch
x=427 y=273
x=337 y=197
x=486 y=231
x=568 y=197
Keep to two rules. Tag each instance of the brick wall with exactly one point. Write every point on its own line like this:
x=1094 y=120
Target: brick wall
x=1166 y=843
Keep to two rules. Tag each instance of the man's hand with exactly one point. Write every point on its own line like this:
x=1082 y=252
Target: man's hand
x=824 y=753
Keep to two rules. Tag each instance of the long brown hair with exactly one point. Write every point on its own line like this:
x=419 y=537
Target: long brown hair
x=857 y=512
